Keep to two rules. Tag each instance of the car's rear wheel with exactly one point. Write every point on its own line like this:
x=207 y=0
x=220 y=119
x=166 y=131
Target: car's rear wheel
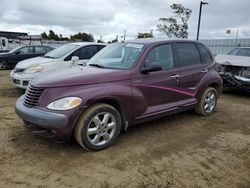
x=98 y=127
x=3 y=64
x=207 y=102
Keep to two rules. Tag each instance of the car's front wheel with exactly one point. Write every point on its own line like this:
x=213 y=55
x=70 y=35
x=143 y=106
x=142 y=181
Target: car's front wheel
x=3 y=64
x=207 y=102
x=98 y=127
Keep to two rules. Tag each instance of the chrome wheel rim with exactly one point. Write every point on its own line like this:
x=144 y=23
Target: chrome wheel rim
x=210 y=102
x=101 y=128
x=3 y=65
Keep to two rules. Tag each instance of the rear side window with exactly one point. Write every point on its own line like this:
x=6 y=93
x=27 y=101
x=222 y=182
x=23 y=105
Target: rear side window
x=187 y=54
x=161 y=54
x=205 y=55
x=86 y=52
x=41 y=50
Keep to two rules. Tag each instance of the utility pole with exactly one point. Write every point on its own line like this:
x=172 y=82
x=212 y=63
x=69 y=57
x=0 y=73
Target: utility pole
x=124 y=35
x=199 y=21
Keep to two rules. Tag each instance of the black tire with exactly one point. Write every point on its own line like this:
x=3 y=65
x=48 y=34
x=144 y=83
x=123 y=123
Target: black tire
x=3 y=64
x=87 y=119
x=200 y=108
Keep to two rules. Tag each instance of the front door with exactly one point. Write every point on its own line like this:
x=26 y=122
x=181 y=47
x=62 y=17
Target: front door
x=24 y=53
x=158 y=91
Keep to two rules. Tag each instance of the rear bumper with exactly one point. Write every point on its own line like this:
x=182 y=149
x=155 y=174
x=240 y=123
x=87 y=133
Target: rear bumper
x=43 y=123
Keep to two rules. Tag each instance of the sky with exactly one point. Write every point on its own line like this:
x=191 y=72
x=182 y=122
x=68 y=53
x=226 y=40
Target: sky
x=108 y=18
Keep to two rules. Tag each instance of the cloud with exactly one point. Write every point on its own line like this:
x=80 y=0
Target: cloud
x=109 y=18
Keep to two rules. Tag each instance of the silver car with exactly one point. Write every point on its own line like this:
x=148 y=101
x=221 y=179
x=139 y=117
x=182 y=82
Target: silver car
x=64 y=56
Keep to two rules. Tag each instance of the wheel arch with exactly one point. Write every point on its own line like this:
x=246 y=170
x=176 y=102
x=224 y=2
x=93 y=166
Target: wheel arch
x=117 y=105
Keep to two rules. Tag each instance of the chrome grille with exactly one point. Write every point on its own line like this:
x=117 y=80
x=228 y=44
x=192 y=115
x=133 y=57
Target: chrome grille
x=32 y=96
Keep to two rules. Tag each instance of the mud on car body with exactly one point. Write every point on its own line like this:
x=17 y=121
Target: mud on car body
x=123 y=85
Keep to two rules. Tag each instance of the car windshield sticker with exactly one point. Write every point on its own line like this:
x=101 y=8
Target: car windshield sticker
x=138 y=46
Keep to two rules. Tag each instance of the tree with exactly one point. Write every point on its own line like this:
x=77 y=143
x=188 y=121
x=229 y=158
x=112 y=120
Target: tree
x=176 y=25
x=52 y=35
x=145 y=35
x=82 y=37
x=44 y=35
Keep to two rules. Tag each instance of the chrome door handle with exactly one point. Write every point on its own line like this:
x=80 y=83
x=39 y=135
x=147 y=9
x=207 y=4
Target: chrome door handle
x=175 y=76
x=204 y=70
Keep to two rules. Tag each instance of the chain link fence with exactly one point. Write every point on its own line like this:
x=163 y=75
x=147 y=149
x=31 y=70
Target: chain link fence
x=223 y=46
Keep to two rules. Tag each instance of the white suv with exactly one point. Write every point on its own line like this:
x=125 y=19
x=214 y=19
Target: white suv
x=64 y=56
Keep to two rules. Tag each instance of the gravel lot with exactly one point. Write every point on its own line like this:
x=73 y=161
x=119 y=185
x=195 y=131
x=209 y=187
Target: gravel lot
x=184 y=150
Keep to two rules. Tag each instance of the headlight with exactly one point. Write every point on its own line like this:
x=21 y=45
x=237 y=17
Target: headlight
x=246 y=73
x=33 y=69
x=66 y=103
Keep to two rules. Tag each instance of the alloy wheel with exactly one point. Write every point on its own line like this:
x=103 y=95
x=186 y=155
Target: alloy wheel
x=210 y=102
x=101 y=128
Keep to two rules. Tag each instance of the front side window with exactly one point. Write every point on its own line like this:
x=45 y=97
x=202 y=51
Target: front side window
x=117 y=56
x=162 y=55
x=26 y=50
x=187 y=54
x=86 y=52
x=61 y=51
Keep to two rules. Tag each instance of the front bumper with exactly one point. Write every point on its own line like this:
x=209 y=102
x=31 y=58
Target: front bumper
x=238 y=82
x=43 y=123
x=22 y=80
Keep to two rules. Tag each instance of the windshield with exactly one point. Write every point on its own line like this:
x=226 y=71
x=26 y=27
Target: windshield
x=240 y=52
x=13 y=50
x=61 y=51
x=117 y=56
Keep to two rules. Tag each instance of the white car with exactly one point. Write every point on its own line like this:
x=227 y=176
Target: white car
x=64 y=56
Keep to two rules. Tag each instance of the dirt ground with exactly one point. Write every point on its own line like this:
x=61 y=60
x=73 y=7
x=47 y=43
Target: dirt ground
x=184 y=150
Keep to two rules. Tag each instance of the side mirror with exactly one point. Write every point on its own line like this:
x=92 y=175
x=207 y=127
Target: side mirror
x=74 y=59
x=152 y=67
x=17 y=52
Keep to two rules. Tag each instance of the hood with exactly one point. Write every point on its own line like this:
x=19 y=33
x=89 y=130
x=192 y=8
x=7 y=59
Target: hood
x=79 y=75
x=33 y=61
x=233 y=60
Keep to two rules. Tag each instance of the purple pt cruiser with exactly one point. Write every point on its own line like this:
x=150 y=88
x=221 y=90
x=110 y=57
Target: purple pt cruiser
x=124 y=84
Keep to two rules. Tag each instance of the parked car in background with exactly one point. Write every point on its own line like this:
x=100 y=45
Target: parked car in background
x=11 y=58
x=235 y=68
x=123 y=85
x=64 y=56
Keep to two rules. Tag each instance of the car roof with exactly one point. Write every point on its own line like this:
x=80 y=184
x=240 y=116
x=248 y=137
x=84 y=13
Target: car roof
x=149 y=41
x=243 y=47
x=34 y=46
x=87 y=43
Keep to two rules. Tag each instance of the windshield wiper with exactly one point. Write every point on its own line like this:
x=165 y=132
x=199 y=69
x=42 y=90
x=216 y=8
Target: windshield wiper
x=96 y=65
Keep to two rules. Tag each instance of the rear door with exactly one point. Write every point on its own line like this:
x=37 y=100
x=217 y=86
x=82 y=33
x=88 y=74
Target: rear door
x=192 y=69
x=40 y=50
x=155 y=92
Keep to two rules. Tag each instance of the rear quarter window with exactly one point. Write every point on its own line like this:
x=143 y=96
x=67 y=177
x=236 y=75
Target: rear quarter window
x=187 y=54
x=205 y=55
